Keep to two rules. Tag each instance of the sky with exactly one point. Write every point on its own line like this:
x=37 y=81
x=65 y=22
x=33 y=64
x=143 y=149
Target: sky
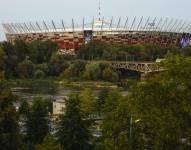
x=14 y=11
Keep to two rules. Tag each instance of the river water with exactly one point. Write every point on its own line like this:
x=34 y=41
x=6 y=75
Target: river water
x=58 y=93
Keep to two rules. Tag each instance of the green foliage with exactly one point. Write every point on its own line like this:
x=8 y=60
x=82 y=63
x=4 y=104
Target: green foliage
x=72 y=128
x=37 y=124
x=102 y=95
x=42 y=51
x=75 y=69
x=24 y=108
x=87 y=102
x=100 y=71
x=39 y=74
x=163 y=106
x=56 y=65
x=9 y=128
x=26 y=69
x=49 y=143
x=21 y=50
x=92 y=72
x=116 y=123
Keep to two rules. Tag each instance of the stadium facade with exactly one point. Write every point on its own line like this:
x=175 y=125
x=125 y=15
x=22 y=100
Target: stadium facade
x=162 y=31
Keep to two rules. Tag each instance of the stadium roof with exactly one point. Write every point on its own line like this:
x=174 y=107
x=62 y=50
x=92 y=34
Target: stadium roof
x=128 y=24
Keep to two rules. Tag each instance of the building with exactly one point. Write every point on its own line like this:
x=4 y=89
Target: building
x=128 y=31
x=59 y=106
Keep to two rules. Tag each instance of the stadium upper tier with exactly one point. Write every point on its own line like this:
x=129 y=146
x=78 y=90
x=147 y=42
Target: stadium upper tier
x=128 y=24
x=162 y=31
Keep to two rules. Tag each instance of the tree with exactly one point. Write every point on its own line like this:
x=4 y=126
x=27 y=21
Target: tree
x=37 y=124
x=26 y=69
x=21 y=50
x=87 y=102
x=163 y=106
x=116 y=122
x=72 y=128
x=9 y=128
x=75 y=69
x=2 y=59
x=102 y=95
x=49 y=143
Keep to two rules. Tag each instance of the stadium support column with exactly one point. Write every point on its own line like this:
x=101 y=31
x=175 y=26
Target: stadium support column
x=63 y=26
x=170 y=30
x=83 y=24
x=102 y=26
x=32 y=27
x=93 y=29
x=161 y=30
x=73 y=28
x=54 y=26
x=140 y=23
x=38 y=27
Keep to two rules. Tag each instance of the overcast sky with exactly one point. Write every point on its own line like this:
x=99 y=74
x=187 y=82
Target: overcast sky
x=31 y=10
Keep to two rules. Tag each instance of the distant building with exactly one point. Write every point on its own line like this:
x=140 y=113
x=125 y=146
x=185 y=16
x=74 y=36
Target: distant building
x=129 y=31
x=59 y=106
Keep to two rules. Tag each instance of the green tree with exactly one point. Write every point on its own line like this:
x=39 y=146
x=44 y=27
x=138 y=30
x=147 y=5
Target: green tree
x=37 y=124
x=72 y=128
x=116 y=122
x=163 y=106
x=102 y=95
x=49 y=143
x=9 y=128
x=87 y=102
x=26 y=69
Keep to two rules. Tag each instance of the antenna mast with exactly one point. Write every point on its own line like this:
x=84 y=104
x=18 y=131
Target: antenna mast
x=99 y=10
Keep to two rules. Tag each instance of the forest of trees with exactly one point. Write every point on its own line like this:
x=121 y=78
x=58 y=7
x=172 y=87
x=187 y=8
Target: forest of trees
x=156 y=115
x=40 y=59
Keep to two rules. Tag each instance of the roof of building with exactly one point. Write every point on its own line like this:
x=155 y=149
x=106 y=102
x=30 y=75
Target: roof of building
x=128 y=24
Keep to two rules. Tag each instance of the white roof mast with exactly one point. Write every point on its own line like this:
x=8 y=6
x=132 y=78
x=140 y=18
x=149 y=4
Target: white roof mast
x=99 y=10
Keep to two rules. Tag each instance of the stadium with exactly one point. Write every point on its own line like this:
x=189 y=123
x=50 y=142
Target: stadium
x=131 y=30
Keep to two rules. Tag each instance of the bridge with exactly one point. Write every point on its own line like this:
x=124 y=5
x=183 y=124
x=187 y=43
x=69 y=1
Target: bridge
x=143 y=67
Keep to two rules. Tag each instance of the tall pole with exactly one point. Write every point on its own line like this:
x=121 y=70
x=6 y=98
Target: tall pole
x=99 y=10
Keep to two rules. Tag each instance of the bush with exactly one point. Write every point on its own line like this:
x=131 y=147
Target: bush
x=39 y=74
x=26 y=69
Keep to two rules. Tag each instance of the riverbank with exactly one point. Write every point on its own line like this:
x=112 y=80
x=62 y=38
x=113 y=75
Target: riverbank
x=55 y=82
